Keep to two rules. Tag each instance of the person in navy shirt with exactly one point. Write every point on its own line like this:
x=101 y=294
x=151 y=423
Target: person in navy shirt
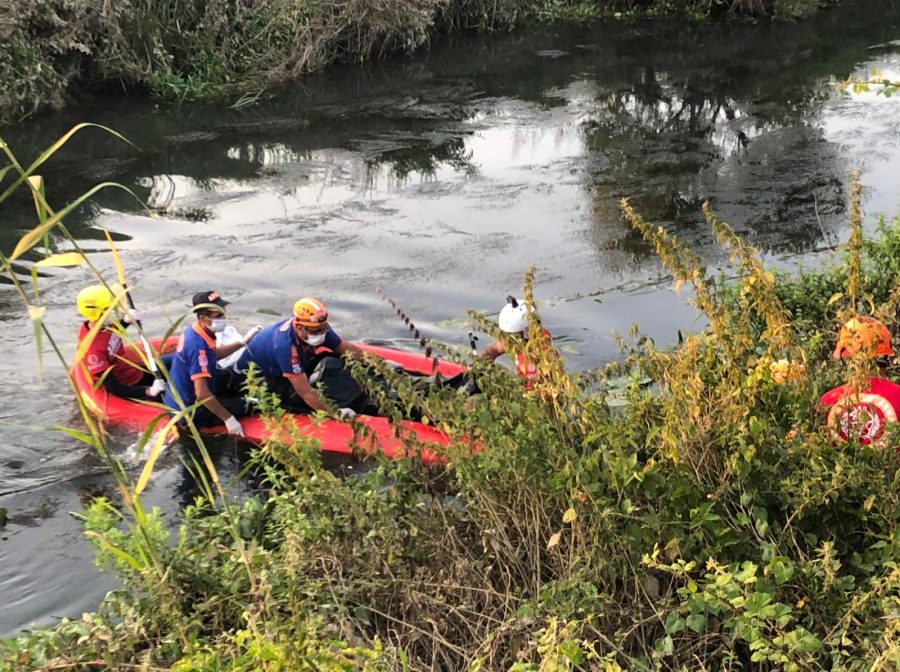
x=193 y=370
x=285 y=352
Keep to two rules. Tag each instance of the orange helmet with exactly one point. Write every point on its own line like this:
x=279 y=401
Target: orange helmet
x=310 y=314
x=863 y=335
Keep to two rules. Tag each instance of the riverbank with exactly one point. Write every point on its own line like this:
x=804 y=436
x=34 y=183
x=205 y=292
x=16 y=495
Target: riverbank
x=54 y=51
x=713 y=523
x=436 y=178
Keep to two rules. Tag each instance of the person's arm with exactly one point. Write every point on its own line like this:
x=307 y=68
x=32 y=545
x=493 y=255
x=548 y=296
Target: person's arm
x=201 y=389
x=101 y=368
x=341 y=347
x=351 y=350
x=305 y=391
x=492 y=351
x=222 y=351
x=113 y=386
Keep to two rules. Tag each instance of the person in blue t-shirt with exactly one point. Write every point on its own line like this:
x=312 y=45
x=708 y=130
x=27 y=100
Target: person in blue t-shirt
x=285 y=352
x=193 y=371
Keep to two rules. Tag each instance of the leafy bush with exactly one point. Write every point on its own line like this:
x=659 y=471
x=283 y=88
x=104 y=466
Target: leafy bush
x=712 y=523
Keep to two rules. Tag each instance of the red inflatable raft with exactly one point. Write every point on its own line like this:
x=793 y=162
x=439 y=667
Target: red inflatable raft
x=334 y=436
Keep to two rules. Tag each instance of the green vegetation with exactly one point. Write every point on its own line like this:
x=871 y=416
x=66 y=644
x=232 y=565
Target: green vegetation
x=876 y=82
x=51 y=50
x=711 y=523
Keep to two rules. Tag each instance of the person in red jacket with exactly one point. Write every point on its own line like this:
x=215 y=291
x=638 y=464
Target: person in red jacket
x=865 y=413
x=107 y=359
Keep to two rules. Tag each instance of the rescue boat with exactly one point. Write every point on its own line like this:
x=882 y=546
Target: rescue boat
x=403 y=439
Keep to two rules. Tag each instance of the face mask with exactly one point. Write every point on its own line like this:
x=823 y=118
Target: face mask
x=315 y=340
x=218 y=326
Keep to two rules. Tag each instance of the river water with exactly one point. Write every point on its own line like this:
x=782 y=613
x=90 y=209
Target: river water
x=440 y=179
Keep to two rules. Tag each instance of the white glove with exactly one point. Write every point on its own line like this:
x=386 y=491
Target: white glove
x=132 y=316
x=249 y=336
x=157 y=388
x=346 y=414
x=233 y=425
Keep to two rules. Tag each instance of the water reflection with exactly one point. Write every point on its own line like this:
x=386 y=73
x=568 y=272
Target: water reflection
x=266 y=154
x=670 y=117
x=422 y=158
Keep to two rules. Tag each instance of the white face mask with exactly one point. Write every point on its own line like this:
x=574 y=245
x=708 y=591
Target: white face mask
x=315 y=340
x=218 y=326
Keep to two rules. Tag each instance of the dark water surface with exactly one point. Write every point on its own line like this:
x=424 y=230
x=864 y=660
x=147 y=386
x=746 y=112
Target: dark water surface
x=439 y=179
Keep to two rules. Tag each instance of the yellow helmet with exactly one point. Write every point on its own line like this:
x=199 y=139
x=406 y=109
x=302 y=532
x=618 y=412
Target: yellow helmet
x=311 y=314
x=93 y=301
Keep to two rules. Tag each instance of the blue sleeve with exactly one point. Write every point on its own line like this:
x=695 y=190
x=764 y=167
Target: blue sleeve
x=288 y=359
x=201 y=362
x=332 y=340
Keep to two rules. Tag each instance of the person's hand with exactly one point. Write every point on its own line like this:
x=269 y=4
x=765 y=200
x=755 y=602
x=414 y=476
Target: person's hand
x=233 y=425
x=251 y=334
x=157 y=388
x=132 y=316
x=346 y=414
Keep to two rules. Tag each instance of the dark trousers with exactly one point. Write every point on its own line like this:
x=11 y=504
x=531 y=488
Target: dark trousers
x=287 y=396
x=229 y=392
x=230 y=383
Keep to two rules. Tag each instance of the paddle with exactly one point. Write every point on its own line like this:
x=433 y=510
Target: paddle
x=148 y=351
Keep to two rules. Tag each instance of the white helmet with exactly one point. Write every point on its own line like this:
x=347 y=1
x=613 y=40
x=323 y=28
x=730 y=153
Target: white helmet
x=514 y=317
